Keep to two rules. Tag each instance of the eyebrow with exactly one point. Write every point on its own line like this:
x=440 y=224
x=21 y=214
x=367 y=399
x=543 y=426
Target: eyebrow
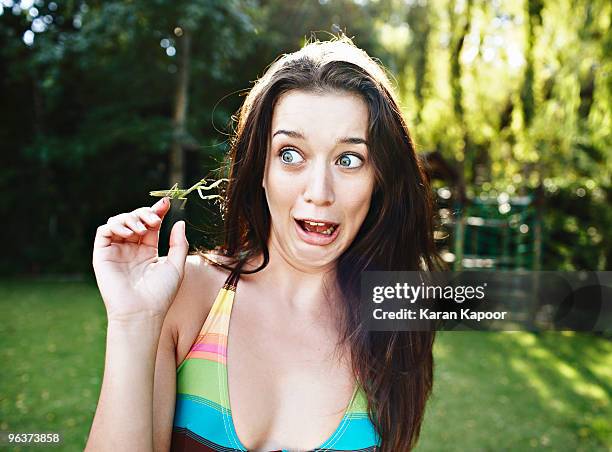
x=298 y=135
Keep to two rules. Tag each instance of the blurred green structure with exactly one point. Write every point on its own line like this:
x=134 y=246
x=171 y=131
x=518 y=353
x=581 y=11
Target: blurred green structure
x=500 y=233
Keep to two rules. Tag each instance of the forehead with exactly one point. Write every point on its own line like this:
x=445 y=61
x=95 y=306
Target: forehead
x=329 y=113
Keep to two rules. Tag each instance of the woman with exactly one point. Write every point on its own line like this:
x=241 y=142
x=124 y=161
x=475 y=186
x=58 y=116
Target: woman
x=324 y=184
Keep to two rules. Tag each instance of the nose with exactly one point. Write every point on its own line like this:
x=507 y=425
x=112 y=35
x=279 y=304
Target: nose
x=319 y=188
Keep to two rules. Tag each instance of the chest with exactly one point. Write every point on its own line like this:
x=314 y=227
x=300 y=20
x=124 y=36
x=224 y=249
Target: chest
x=288 y=385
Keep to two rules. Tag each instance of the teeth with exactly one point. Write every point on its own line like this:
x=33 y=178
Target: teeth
x=316 y=226
x=328 y=231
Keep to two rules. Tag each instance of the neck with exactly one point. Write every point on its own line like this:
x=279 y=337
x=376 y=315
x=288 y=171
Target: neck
x=306 y=290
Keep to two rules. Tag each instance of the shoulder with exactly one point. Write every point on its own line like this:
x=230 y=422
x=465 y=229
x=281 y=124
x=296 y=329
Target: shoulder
x=201 y=282
x=196 y=294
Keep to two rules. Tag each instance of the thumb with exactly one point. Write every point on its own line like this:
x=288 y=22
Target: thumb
x=178 y=247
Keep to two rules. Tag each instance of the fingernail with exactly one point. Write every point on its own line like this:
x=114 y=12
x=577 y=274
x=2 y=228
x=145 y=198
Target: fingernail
x=140 y=226
x=160 y=203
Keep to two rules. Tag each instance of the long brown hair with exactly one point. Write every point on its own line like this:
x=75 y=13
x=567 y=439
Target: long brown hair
x=394 y=368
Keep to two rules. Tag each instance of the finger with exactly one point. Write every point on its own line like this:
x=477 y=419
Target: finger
x=122 y=223
x=178 y=247
x=153 y=224
x=151 y=237
x=103 y=236
x=148 y=217
x=118 y=219
x=133 y=222
x=161 y=207
x=121 y=230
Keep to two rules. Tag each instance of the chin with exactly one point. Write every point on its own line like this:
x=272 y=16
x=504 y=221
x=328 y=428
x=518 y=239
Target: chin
x=307 y=256
x=315 y=258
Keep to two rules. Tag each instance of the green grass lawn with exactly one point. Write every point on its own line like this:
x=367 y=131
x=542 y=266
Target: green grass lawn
x=492 y=391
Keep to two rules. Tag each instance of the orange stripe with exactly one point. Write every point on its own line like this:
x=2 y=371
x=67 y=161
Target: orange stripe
x=211 y=338
x=207 y=355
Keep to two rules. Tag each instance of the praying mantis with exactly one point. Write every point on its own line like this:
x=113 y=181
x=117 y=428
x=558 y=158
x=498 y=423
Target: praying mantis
x=181 y=193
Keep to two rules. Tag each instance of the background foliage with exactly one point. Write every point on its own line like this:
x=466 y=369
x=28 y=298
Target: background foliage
x=515 y=94
x=103 y=101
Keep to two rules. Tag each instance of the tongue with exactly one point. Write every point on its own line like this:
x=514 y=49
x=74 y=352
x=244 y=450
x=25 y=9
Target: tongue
x=318 y=229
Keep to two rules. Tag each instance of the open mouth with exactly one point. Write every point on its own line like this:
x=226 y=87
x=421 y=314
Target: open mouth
x=319 y=227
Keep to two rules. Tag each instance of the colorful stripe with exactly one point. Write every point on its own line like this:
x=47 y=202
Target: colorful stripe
x=203 y=419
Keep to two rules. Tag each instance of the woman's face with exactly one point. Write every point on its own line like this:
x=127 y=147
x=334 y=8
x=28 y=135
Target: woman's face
x=318 y=177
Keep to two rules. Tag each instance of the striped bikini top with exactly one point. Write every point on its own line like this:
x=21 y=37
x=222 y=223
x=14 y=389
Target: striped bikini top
x=202 y=416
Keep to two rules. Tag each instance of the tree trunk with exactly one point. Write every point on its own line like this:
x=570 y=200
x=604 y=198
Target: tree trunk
x=457 y=93
x=534 y=13
x=419 y=22
x=179 y=120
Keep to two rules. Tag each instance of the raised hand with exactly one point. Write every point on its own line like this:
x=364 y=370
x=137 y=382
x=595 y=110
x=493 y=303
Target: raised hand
x=134 y=281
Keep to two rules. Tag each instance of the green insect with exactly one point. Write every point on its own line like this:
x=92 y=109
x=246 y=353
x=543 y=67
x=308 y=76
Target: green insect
x=181 y=193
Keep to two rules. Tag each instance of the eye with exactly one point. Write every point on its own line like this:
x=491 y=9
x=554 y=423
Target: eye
x=290 y=156
x=350 y=161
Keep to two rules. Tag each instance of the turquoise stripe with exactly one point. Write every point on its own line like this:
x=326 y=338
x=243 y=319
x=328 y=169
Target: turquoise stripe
x=203 y=420
x=359 y=434
x=206 y=420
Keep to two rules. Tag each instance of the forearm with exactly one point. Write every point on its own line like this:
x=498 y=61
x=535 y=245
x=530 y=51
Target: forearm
x=124 y=416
